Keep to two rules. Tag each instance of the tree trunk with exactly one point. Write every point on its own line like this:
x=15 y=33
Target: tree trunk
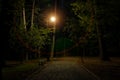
x=39 y=54
x=100 y=43
x=32 y=19
x=83 y=55
x=98 y=34
x=24 y=19
x=27 y=56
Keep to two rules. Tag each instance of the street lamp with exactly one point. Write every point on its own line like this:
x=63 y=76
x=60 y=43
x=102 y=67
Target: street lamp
x=53 y=19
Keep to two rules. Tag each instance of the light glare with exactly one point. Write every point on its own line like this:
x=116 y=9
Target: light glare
x=53 y=19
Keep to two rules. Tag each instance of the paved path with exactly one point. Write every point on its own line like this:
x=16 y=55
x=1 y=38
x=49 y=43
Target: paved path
x=62 y=69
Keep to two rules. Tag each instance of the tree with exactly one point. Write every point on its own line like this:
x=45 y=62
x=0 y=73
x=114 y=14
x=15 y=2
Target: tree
x=107 y=17
x=98 y=34
x=33 y=38
x=91 y=17
x=81 y=26
x=32 y=17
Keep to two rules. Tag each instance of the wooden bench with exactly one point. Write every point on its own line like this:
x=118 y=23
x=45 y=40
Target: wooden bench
x=42 y=61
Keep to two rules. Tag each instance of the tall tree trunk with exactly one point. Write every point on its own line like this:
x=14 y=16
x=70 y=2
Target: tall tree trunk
x=99 y=42
x=32 y=18
x=24 y=19
x=24 y=22
x=98 y=34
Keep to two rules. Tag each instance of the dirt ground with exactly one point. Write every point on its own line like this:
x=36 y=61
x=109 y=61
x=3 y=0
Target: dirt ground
x=104 y=70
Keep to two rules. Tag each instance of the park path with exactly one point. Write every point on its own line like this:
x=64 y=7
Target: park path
x=62 y=69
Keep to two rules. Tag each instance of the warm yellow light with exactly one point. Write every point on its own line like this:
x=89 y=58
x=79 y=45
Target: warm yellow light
x=52 y=19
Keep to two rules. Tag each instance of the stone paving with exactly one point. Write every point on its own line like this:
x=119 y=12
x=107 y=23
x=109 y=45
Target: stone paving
x=63 y=69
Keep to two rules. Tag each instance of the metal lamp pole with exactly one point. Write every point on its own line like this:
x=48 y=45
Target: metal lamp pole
x=53 y=19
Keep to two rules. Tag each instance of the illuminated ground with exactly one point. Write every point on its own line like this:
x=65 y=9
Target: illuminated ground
x=63 y=69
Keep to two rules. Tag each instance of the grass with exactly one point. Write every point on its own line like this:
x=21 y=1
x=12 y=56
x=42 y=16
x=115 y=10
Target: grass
x=19 y=71
x=104 y=70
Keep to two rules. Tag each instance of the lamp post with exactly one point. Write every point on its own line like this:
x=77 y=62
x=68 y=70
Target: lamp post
x=53 y=19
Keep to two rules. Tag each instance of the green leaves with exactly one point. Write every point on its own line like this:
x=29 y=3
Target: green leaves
x=35 y=38
x=82 y=11
x=82 y=22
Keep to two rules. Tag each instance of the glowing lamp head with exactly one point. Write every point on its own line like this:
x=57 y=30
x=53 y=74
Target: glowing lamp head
x=52 y=19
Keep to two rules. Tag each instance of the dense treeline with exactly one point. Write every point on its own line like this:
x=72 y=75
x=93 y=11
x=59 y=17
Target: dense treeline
x=80 y=25
x=94 y=25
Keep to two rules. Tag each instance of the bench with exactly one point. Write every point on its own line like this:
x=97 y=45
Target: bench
x=42 y=61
